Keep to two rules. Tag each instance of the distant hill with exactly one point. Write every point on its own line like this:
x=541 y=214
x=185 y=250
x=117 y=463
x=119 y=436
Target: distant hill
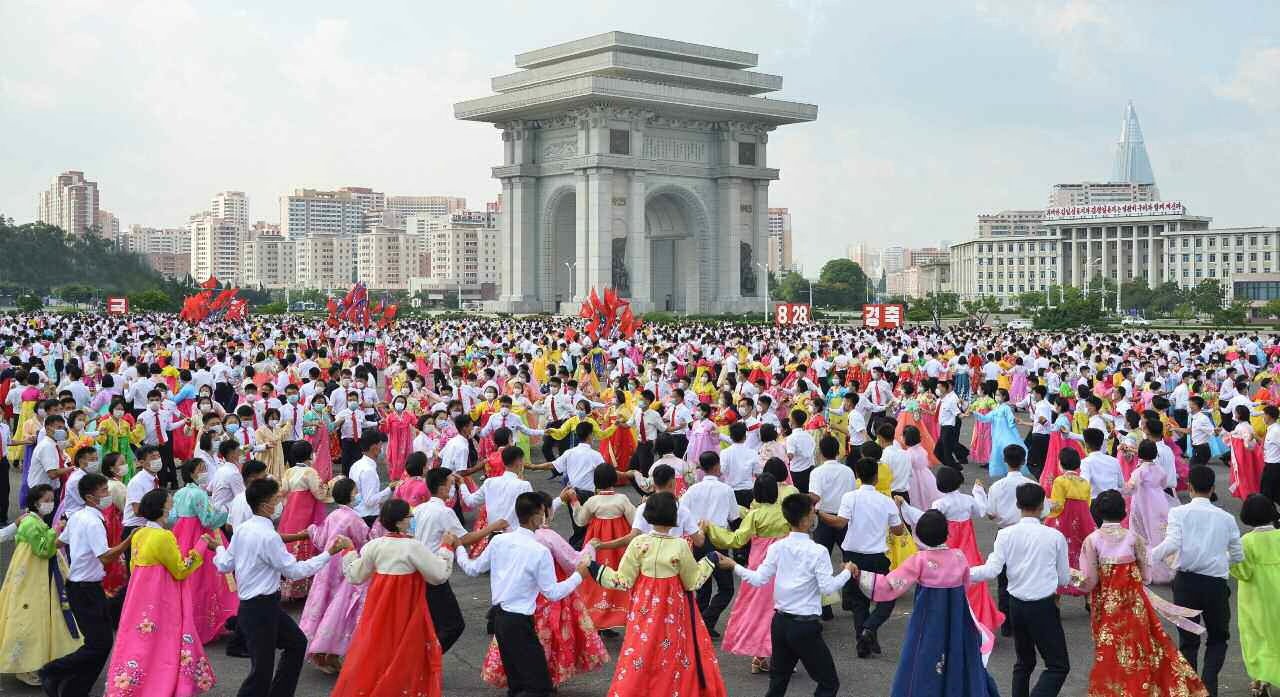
x=39 y=257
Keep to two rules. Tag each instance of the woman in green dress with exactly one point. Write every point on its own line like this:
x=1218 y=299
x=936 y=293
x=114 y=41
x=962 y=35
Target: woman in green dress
x=1257 y=613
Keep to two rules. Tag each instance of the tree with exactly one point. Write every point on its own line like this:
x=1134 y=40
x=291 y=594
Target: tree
x=980 y=310
x=1135 y=294
x=1183 y=312
x=74 y=293
x=1235 y=314
x=30 y=302
x=843 y=271
x=152 y=300
x=940 y=305
x=1207 y=295
x=793 y=287
x=1031 y=301
x=1164 y=298
x=1271 y=309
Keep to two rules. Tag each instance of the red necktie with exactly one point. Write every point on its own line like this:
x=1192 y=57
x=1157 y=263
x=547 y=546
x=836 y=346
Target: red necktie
x=644 y=435
x=159 y=431
x=553 y=409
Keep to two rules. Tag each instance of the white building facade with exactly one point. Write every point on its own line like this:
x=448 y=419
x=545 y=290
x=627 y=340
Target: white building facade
x=215 y=248
x=71 y=203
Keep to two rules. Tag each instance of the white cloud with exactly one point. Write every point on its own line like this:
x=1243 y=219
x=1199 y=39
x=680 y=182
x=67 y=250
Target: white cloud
x=1081 y=33
x=1257 y=80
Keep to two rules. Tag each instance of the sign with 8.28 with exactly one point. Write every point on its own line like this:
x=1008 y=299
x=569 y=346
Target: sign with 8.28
x=785 y=314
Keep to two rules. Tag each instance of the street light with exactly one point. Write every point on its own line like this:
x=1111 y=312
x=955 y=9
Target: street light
x=765 y=270
x=571 y=265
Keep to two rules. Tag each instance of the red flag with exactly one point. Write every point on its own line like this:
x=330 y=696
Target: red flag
x=211 y=283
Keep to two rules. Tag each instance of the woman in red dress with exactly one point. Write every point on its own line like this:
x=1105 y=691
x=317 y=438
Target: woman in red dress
x=618 y=446
x=394 y=650
x=607 y=517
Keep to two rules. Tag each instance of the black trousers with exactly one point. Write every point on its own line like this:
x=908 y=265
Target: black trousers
x=854 y=601
x=1212 y=597
x=681 y=443
x=1037 y=627
x=77 y=672
x=445 y=614
x=552 y=447
x=225 y=395
x=579 y=534
x=522 y=655
x=4 y=489
x=168 y=474
x=350 y=453
x=711 y=607
x=826 y=535
x=267 y=629
x=642 y=458
x=1181 y=416
x=948 y=446
x=795 y=639
x=1037 y=451
x=287 y=446
x=1200 y=454
x=1002 y=595
x=1270 y=485
x=801 y=480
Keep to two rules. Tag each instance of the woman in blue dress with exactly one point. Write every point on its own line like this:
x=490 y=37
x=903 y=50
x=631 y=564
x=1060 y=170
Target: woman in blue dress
x=1004 y=432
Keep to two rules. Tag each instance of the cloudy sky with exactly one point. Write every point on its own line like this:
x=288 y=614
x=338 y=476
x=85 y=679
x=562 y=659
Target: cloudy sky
x=929 y=112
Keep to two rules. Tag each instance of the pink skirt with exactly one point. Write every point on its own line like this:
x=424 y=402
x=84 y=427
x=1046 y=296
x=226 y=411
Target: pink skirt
x=980 y=443
x=301 y=510
x=1075 y=523
x=332 y=611
x=157 y=649
x=212 y=598
x=747 y=633
x=1052 y=468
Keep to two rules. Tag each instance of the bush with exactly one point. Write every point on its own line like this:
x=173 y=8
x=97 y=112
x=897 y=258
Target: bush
x=30 y=302
x=276 y=308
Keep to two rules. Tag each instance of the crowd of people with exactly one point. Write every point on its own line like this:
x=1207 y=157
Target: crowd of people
x=179 y=485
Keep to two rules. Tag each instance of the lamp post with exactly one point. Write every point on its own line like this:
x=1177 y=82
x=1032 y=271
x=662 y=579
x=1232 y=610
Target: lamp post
x=810 y=295
x=571 y=265
x=765 y=270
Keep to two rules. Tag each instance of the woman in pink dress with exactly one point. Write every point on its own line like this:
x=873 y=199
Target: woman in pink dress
x=304 y=506
x=1070 y=514
x=210 y=594
x=413 y=488
x=748 y=630
x=317 y=429
x=704 y=437
x=1017 y=381
x=333 y=606
x=1149 y=510
x=1246 y=456
x=157 y=651
x=398 y=425
x=1060 y=439
x=923 y=487
x=980 y=442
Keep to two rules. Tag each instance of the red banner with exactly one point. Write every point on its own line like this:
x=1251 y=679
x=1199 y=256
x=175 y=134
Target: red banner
x=117 y=305
x=882 y=316
x=786 y=314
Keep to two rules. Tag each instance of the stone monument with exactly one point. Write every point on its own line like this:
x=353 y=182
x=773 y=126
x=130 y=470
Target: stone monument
x=636 y=163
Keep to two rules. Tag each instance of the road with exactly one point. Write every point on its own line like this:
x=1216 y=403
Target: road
x=858 y=676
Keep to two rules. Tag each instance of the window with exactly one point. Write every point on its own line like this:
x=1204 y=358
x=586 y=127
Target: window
x=747 y=154
x=1199 y=257
x=1253 y=240
x=619 y=141
x=1253 y=256
x=1185 y=243
x=1213 y=258
x=1199 y=241
x=1186 y=258
x=1239 y=256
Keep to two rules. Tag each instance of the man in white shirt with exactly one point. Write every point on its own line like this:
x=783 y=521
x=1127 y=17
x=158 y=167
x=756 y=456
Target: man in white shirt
x=677 y=417
x=801 y=574
x=948 y=449
x=1002 y=507
x=866 y=515
x=712 y=501
x=370 y=494
x=898 y=460
x=1101 y=470
x=498 y=494
x=1201 y=429
x=877 y=395
x=48 y=462
x=520 y=569
x=238 y=511
x=259 y=559
x=1270 y=484
x=459 y=454
x=648 y=424
x=738 y=463
x=1041 y=424
x=800 y=450
x=1205 y=542
x=828 y=484
x=351 y=422
x=143 y=481
x=578 y=465
x=1035 y=558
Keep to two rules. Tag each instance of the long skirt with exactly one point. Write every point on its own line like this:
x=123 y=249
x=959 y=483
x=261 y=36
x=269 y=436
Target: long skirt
x=301 y=510
x=158 y=652
x=394 y=650
x=33 y=627
x=568 y=638
x=212 y=596
x=333 y=609
x=667 y=650
x=617 y=448
x=942 y=651
x=116 y=574
x=608 y=607
x=750 y=623
x=1132 y=654
x=1075 y=523
x=1246 y=469
x=960 y=536
x=1052 y=466
x=980 y=442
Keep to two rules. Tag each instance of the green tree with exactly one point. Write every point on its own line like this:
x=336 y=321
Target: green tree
x=74 y=293
x=1271 y=309
x=152 y=300
x=793 y=287
x=1164 y=298
x=30 y=302
x=981 y=309
x=1207 y=295
x=1031 y=301
x=1235 y=314
x=1135 y=294
x=1183 y=312
x=843 y=271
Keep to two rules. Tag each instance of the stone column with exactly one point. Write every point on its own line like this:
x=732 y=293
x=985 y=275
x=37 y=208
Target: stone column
x=760 y=246
x=581 y=232
x=1064 y=247
x=1104 y=268
x=1075 y=257
x=638 y=258
x=1152 y=277
x=1135 y=262
x=724 y=237
x=600 y=230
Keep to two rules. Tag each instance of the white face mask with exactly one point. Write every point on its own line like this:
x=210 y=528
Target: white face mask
x=154 y=466
x=104 y=503
x=93 y=467
x=202 y=478
x=279 y=510
x=44 y=507
x=273 y=422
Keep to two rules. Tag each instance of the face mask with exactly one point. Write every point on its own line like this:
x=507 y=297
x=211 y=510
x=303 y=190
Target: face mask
x=94 y=467
x=215 y=428
x=202 y=479
x=172 y=518
x=319 y=406
x=279 y=510
x=644 y=404
x=292 y=399
x=455 y=412
x=356 y=501
x=272 y=422
x=104 y=503
x=581 y=414
x=154 y=466
x=44 y=507
x=232 y=428
x=153 y=406
x=118 y=413
x=413 y=525
x=504 y=411
x=60 y=435
x=399 y=406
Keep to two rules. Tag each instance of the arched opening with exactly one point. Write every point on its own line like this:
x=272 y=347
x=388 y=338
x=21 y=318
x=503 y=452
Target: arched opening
x=672 y=251
x=564 y=243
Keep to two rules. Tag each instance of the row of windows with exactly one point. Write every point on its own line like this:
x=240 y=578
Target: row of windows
x=1256 y=290
x=1253 y=256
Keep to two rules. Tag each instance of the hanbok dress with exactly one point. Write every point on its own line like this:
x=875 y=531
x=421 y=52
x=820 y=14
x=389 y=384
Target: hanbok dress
x=413 y=491
x=158 y=652
x=317 y=429
x=923 y=487
x=394 y=650
x=704 y=437
x=272 y=455
x=304 y=506
x=980 y=440
x=399 y=429
x=35 y=625
x=1246 y=461
x=1004 y=432
x=960 y=509
x=564 y=628
x=211 y=595
x=113 y=518
x=750 y=622
x=333 y=606
x=618 y=447
x=1071 y=517
x=1060 y=438
x=1132 y=654
x=607 y=516
x=120 y=436
x=911 y=416
x=945 y=649
x=667 y=649
x=1258 y=613
x=1149 y=512
x=1017 y=383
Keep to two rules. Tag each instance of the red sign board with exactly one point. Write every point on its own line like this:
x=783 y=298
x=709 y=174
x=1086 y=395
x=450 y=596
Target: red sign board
x=785 y=314
x=882 y=316
x=117 y=305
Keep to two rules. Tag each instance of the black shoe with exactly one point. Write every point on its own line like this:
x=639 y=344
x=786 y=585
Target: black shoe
x=52 y=686
x=875 y=644
x=236 y=651
x=864 y=645
x=609 y=633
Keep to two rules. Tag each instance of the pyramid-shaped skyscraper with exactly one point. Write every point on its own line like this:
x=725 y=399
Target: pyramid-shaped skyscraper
x=1132 y=164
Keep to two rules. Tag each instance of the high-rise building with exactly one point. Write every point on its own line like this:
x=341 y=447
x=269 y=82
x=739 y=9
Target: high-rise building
x=170 y=264
x=341 y=212
x=322 y=261
x=268 y=258
x=215 y=248
x=925 y=256
x=71 y=203
x=233 y=206
x=865 y=256
x=462 y=253
x=1131 y=163
x=1096 y=193
x=893 y=258
x=150 y=240
x=1010 y=223
x=387 y=257
x=108 y=226
x=780 y=240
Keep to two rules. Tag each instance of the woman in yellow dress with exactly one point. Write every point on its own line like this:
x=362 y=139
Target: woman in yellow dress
x=116 y=434
x=34 y=626
x=271 y=434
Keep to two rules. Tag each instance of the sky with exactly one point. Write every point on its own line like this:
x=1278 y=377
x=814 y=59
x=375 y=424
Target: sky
x=929 y=113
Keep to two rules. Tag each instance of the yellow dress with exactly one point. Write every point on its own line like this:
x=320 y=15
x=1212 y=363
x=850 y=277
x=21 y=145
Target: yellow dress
x=658 y=557
x=33 y=628
x=273 y=455
x=1068 y=486
x=570 y=424
x=26 y=418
